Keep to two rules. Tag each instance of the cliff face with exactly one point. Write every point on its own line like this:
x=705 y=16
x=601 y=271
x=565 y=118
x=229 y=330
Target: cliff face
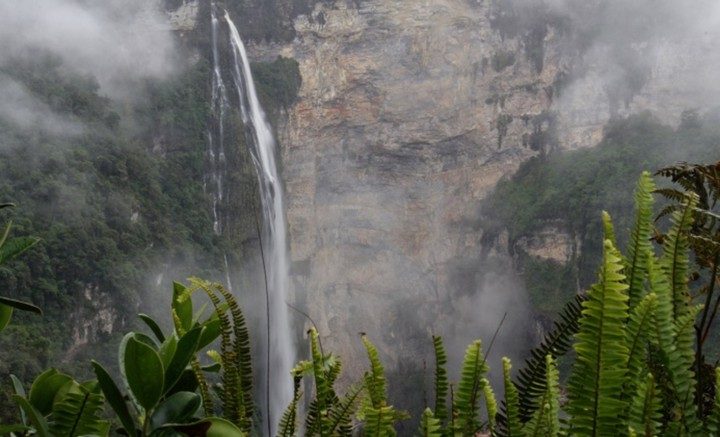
x=409 y=113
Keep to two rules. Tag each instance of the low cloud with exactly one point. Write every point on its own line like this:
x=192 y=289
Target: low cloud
x=116 y=41
x=25 y=112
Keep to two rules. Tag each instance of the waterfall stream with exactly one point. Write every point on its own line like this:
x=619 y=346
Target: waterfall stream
x=279 y=357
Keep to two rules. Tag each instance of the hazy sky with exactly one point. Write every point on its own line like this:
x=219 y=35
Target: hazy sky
x=114 y=40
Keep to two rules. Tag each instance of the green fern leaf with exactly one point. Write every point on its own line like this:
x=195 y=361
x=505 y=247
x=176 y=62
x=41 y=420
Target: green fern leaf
x=429 y=425
x=340 y=417
x=379 y=422
x=675 y=342
x=639 y=248
x=531 y=378
x=288 y=422
x=470 y=388
x=546 y=419
x=513 y=427
x=595 y=401
x=675 y=261
x=638 y=332
x=713 y=426
x=77 y=413
x=645 y=409
x=441 y=381
x=490 y=404
x=375 y=379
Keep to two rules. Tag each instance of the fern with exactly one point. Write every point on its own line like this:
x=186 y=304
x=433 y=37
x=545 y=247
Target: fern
x=595 y=402
x=288 y=423
x=639 y=248
x=379 y=422
x=645 y=413
x=490 y=404
x=675 y=344
x=429 y=425
x=675 y=260
x=78 y=414
x=713 y=426
x=531 y=379
x=241 y=352
x=375 y=382
x=236 y=389
x=470 y=388
x=513 y=427
x=638 y=332
x=340 y=417
x=441 y=381
x=546 y=419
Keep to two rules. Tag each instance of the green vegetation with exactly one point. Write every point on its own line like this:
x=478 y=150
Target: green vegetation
x=563 y=190
x=502 y=59
x=278 y=82
x=632 y=373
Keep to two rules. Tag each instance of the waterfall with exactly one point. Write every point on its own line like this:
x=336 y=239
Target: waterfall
x=216 y=135
x=280 y=355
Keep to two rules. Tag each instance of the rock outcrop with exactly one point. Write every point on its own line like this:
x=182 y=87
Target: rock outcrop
x=408 y=115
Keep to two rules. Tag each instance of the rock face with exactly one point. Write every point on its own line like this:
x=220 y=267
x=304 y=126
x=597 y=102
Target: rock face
x=409 y=113
x=406 y=119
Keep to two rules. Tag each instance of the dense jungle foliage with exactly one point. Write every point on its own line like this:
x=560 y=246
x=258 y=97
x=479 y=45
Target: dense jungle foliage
x=115 y=193
x=633 y=369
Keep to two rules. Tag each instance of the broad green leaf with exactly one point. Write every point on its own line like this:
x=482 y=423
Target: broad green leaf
x=5 y=315
x=178 y=408
x=167 y=350
x=186 y=348
x=212 y=331
x=44 y=389
x=36 y=418
x=20 y=305
x=154 y=327
x=143 y=371
x=20 y=391
x=115 y=398
x=210 y=427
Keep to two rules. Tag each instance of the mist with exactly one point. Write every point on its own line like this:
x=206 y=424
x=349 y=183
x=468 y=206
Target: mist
x=117 y=42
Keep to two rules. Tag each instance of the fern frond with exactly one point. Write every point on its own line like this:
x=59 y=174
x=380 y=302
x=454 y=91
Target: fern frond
x=608 y=228
x=595 y=402
x=546 y=419
x=639 y=248
x=77 y=413
x=675 y=342
x=429 y=425
x=375 y=382
x=675 y=260
x=513 y=427
x=531 y=379
x=638 y=332
x=340 y=417
x=713 y=426
x=490 y=404
x=645 y=409
x=379 y=422
x=441 y=381
x=288 y=423
x=470 y=388
x=242 y=353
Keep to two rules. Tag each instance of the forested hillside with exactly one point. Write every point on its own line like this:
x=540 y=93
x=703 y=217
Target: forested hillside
x=564 y=191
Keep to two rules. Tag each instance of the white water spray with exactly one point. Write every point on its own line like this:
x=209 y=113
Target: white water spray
x=216 y=143
x=262 y=146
